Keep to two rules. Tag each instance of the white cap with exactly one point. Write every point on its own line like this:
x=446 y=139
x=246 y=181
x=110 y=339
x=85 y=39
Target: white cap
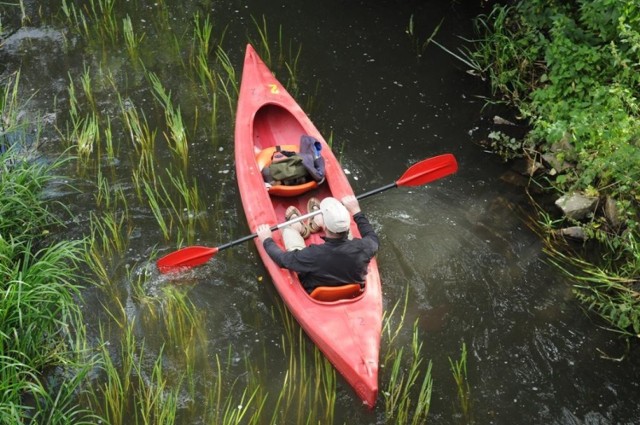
x=336 y=217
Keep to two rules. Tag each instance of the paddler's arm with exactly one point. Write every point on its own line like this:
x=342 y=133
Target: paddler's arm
x=278 y=255
x=266 y=237
x=366 y=229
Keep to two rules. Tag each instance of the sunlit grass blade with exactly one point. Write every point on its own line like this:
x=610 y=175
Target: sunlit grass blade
x=177 y=137
x=459 y=371
x=87 y=88
x=406 y=400
x=158 y=211
x=131 y=40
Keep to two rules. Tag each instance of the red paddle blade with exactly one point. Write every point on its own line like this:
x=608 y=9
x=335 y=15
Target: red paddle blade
x=429 y=170
x=190 y=256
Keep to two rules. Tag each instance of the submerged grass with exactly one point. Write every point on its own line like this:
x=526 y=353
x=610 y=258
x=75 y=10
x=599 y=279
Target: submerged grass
x=459 y=371
x=308 y=390
x=129 y=392
x=177 y=135
x=202 y=48
x=95 y=19
x=407 y=396
x=132 y=41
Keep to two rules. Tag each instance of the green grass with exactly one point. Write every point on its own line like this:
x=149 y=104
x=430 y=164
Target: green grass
x=202 y=48
x=409 y=385
x=177 y=133
x=39 y=315
x=132 y=41
x=459 y=372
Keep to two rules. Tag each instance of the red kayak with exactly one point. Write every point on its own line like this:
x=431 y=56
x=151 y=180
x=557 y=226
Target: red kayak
x=344 y=323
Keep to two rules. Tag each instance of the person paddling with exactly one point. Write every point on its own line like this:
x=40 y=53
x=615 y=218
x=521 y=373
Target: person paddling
x=340 y=259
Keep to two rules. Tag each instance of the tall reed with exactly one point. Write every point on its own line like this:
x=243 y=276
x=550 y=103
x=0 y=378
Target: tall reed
x=177 y=137
x=129 y=392
x=459 y=371
x=229 y=84
x=87 y=88
x=203 y=29
x=407 y=396
x=39 y=314
x=132 y=41
x=95 y=19
x=308 y=392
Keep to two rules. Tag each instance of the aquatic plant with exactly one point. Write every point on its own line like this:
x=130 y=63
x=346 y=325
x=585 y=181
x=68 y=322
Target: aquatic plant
x=286 y=57
x=108 y=136
x=40 y=321
x=157 y=206
x=613 y=296
x=132 y=41
x=309 y=386
x=96 y=19
x=421 y=46
x=459 y=371
x=230 y=80
x=406 y=399
x=111 y=231
x=9 y=101
x=263 y=46
x=84 y=131
x=177 y=137
x=85 y=81
x=180 y=215
x=129 y=393
x=202 y=48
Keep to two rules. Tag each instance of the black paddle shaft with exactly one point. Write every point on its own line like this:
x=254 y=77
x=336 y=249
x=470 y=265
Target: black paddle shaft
x=376 y=191
x=303 y=217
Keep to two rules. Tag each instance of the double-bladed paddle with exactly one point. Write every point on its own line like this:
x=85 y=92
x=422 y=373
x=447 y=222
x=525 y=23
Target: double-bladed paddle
x=420 y=173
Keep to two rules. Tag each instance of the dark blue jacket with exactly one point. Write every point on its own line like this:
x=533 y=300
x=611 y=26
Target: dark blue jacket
x=310 y=152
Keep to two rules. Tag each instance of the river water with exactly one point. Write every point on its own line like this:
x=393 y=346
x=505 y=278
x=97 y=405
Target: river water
x=475 y=272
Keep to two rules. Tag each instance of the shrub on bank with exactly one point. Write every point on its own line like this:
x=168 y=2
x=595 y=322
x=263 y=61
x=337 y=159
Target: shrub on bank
x=572 y=69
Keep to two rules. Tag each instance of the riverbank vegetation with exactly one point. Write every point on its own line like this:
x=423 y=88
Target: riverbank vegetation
x=572 y=71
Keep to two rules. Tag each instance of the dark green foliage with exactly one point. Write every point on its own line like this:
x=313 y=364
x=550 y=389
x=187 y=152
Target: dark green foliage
x=573 y=70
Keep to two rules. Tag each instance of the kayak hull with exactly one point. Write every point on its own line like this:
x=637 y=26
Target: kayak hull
x=346 y=331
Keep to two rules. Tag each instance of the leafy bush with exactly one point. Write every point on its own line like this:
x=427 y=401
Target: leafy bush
x=573 y=70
